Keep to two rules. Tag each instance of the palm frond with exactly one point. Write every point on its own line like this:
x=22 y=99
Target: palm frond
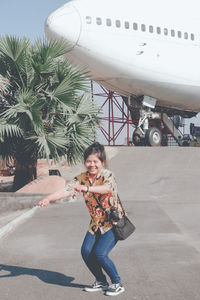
x=27 y=114
x=7 y=129
x=72 y=83
x=44 y=58
x=86 y=106
x=17 y=110
x=13 y=47
x=14 y=61
x=80 y=134
x=50 y=144
x=53 y=49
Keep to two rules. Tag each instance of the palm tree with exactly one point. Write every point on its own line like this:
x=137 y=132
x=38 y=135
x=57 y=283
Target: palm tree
x=47 y=110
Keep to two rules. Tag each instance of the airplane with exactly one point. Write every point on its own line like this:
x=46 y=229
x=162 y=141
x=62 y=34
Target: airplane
x=148 y=51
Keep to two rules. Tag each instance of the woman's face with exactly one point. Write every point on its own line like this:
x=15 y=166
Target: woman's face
x=93 y=164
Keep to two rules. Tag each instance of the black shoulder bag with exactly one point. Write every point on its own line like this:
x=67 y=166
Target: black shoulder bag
x=123 y=227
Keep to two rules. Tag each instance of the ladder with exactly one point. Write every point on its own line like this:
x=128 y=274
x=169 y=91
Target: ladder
x=169 y=124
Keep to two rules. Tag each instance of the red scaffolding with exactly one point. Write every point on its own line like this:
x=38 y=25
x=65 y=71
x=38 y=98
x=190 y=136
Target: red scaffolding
x=116 y=120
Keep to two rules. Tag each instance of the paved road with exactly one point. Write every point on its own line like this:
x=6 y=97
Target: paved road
x=41 y=258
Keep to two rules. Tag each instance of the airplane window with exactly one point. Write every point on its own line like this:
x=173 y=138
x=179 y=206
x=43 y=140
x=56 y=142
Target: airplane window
x=192 y=37
x=185 y=35
x=126 y=24
x=151 y=28
x=88 y=20
x=158 y=30
x=98 y=21
x=135 y=26
x=143 y=27
x=172 y=32
x=108 y=22
x=165 y=31
x=179 y=34
x=118 y=23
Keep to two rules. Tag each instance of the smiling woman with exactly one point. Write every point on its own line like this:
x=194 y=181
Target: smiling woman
x=99 y=189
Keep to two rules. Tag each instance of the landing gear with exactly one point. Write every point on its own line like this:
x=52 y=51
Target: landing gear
x=144 y=135
x=153 y=137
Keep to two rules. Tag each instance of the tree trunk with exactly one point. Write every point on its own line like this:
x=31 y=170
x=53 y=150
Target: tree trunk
x=24 y=173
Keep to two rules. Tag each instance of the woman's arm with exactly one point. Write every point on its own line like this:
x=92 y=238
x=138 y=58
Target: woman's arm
x=98 y=189
x=54 y=197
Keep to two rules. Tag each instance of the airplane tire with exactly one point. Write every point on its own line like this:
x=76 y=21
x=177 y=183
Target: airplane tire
x=153 y=137
x=137 y=139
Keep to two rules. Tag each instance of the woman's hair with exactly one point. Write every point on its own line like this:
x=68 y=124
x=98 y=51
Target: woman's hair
x=98 y=149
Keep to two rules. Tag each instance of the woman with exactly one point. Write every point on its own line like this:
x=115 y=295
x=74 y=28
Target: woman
x=99 y=190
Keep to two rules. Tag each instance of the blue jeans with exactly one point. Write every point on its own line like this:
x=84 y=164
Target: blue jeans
x=95 y=250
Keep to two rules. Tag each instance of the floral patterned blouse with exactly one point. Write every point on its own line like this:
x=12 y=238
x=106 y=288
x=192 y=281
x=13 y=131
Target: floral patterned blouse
x=99 y=205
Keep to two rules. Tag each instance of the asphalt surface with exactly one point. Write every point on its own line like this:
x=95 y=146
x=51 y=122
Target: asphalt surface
x=40 y=258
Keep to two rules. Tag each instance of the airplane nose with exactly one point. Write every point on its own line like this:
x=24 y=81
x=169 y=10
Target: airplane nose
x=64 y=23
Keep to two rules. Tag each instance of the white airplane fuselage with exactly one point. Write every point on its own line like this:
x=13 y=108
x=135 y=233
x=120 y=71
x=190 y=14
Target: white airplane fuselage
x=136 y=47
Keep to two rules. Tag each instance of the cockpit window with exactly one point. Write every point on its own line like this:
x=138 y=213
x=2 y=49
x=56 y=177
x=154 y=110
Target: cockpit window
x=108 y=22
x=88 y=20
x=98 y=21
x=185 y=35
x=118 y=23
x=192 y=36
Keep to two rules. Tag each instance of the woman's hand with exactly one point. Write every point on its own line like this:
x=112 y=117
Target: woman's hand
x=43 y=202
x=54 y=197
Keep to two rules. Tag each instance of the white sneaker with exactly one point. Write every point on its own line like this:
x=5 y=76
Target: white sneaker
x=97 y=286
x=115 y=289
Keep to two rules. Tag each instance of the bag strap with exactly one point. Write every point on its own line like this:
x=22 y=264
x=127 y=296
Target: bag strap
x=98 y=202
x=121 y=205
x=104 y=208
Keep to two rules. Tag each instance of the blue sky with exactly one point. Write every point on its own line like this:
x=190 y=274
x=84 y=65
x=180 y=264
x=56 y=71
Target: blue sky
x=25 y=17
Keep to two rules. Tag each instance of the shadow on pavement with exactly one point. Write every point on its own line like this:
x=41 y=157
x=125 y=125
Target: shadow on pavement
x=50 y=277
